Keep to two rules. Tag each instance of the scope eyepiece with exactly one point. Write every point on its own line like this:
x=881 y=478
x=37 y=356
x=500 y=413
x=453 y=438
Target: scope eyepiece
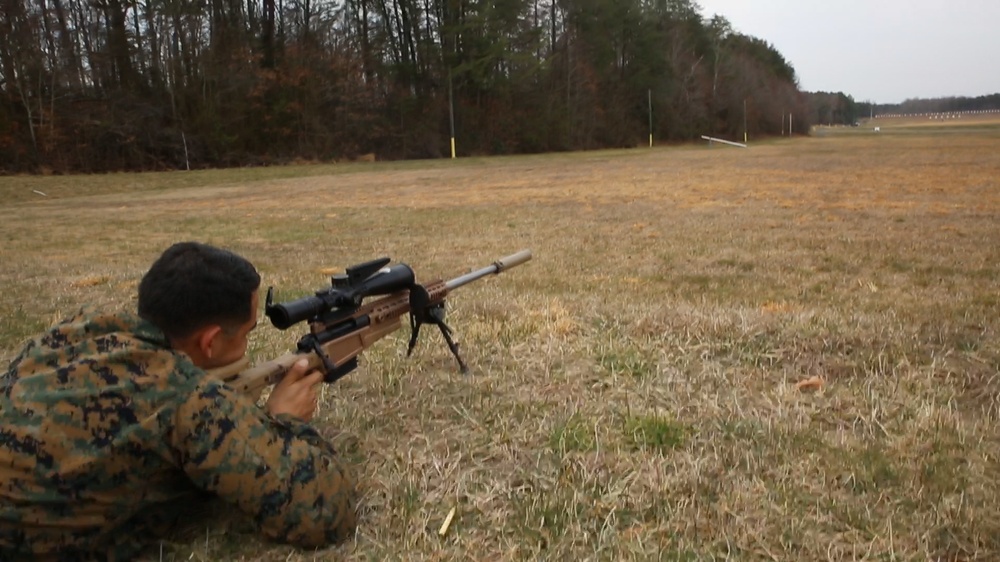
x=287 y=314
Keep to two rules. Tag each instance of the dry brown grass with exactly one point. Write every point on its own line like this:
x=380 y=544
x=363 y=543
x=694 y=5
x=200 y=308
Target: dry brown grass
x=633 y=393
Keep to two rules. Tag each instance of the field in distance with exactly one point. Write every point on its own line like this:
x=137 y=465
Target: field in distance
x=789 y=352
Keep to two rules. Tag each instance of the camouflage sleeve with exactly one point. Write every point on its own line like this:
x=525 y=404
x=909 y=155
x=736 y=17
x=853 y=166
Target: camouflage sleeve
x=304 y=431
x=277 y=470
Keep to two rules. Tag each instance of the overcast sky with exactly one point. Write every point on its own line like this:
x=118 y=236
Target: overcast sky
x=878 y=50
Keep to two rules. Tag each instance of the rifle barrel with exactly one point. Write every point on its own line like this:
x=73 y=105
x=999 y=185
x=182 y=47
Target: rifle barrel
x=498 y=266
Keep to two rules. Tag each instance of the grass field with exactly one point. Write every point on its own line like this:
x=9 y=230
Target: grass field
x=634 y=390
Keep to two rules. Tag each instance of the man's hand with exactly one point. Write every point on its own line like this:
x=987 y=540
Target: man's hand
x=296 y=393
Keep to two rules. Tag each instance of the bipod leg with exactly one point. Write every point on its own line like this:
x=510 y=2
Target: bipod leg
x=415 y=324
x=434 y=315
x=446 y=332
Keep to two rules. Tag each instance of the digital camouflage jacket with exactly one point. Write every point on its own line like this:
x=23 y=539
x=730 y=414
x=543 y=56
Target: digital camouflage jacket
x=105 y=435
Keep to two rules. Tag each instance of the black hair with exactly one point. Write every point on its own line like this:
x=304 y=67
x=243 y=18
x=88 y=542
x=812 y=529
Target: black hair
x=192 y=285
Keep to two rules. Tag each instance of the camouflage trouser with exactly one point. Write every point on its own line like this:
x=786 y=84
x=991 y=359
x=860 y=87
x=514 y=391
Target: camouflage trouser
x=123 y=543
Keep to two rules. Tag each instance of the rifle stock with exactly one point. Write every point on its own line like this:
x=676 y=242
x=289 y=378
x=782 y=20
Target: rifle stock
x=341 y=341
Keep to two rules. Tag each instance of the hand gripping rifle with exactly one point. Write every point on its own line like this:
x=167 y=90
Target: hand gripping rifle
x=341 y=325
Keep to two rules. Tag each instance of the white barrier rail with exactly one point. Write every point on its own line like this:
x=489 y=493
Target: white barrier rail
x=731 y=143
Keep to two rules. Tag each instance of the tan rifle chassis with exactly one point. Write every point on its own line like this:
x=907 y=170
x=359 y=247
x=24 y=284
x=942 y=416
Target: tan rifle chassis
x=383 y=317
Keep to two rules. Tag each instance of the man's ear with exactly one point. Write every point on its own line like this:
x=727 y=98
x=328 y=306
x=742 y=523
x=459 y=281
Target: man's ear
x=207 y=339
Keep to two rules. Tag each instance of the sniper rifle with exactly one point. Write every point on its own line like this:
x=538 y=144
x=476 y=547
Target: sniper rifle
x=342 y=325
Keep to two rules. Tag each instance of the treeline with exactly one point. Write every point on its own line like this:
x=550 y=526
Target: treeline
x=838 y=108
x=834 y=108
x=942 y=105
x=98 y=85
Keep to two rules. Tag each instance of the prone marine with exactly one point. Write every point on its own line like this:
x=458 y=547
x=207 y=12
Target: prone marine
x=110 y=428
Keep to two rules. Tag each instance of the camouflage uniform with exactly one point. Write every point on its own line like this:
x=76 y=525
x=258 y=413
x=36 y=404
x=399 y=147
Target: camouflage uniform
x=106 y=434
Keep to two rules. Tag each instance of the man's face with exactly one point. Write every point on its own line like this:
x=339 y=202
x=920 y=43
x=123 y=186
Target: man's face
x=232 y=343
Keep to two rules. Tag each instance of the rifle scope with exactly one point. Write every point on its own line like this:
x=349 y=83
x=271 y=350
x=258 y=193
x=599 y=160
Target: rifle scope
x=347 y=293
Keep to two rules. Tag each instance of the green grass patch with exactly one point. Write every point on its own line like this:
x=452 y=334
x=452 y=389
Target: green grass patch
x=574 y=434
x=655 y=432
